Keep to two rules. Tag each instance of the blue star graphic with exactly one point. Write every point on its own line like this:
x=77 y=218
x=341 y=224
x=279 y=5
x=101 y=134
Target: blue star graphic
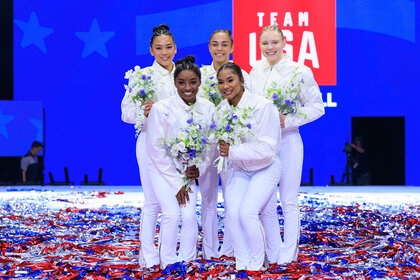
x=4 y=120
x=33 y=33
x=37 y=123
x=95 y=40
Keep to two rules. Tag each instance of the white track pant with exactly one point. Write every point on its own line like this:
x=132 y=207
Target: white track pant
x=291 y=154
x=171 y=217
x=246 y=194
x=149 y=254
x=209 y=184
x=227 y=246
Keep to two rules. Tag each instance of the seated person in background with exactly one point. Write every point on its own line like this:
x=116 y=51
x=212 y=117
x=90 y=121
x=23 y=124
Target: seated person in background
x=31 y=170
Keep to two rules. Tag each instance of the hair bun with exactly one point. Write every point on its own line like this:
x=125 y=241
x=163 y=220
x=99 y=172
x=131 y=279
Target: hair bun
x=189 y=59
x=160 y=28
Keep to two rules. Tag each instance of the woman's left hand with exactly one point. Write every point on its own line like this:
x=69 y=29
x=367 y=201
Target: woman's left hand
x=182 y=196
x=282 y=121
x=224 y=149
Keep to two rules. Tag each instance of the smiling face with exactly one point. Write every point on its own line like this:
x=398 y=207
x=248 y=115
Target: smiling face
x=272 y=44
x=163 y=49
x=230 y=86
x=187 y=83
x=220 y=47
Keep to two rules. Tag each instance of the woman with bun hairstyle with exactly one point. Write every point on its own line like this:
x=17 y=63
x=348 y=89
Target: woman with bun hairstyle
x=168 y=117
x=220 y=48
x=163 y=48
x=279 y=68
x=252 y=172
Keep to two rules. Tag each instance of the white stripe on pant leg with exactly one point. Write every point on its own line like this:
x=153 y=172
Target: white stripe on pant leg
x=148 y=253
x=291 y=152
x=260 y=190
x=236 y=187
x=209 y=183
x=189 y=229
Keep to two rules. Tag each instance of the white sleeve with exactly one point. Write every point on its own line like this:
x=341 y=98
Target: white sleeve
x=129 y=109
x=247 y=80
x=267 y=141
x=158 y=155
x=312 y=100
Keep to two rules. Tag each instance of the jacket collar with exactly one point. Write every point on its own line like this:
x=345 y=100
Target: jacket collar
x=286 y=59
x=162 y=71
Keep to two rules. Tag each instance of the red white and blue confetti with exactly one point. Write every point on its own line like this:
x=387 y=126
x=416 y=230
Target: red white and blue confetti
x=93 y=234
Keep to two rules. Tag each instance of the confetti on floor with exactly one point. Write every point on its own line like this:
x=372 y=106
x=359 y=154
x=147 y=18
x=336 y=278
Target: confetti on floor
x=92 y=233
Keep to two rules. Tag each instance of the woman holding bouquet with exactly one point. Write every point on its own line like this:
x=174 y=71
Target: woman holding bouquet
x=161 y=73
x=250 y=126
x=220 y=48
x=278 y=73
x=174 y=120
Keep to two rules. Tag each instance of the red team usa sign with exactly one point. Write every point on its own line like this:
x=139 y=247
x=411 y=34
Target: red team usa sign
x=308 y=27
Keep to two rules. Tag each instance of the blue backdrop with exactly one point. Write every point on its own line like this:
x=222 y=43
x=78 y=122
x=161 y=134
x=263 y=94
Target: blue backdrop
x=72 y=56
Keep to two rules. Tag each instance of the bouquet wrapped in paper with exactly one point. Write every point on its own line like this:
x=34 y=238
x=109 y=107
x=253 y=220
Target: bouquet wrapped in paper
x=140 y=87
x=287 y=96
x=233 y=126
x=188 y=148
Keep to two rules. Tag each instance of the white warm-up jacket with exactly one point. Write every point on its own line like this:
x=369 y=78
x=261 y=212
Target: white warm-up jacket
x=168 y=117
x=261 y=151
x=263 y=75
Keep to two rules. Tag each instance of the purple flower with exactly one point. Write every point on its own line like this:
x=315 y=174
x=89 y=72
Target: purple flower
x=275 y=96
x=213 y=84
x=149 y=77
x=302 y=81
x=142 y=92
x=293 y=111
x=228 y=128
x=190 y=121
x=143 y=77
x=204 y=140
x=211 y=78
x=287 y=102
x=249 y=126
x=213 y=126
x=191 y=153
x=293 y=85
x=129 y=90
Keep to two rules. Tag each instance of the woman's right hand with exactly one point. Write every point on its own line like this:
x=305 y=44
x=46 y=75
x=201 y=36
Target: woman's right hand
x=147 y=107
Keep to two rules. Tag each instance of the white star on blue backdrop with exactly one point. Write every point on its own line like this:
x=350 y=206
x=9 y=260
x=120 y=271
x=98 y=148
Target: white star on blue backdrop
x=33 y=33
x=95 y=40
x=4 y=120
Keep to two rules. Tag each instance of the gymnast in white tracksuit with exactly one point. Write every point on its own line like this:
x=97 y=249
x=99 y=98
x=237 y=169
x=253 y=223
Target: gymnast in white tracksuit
x=168 y=117
x=162 y=47
x=253 y=168
x=279 y=67
x=220 y=47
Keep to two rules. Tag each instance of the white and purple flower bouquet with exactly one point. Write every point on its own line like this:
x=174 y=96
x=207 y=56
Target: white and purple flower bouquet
x=211 y=91
x=287 y=97
x=188 y=148
x=233 y=126
x=140 y=87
